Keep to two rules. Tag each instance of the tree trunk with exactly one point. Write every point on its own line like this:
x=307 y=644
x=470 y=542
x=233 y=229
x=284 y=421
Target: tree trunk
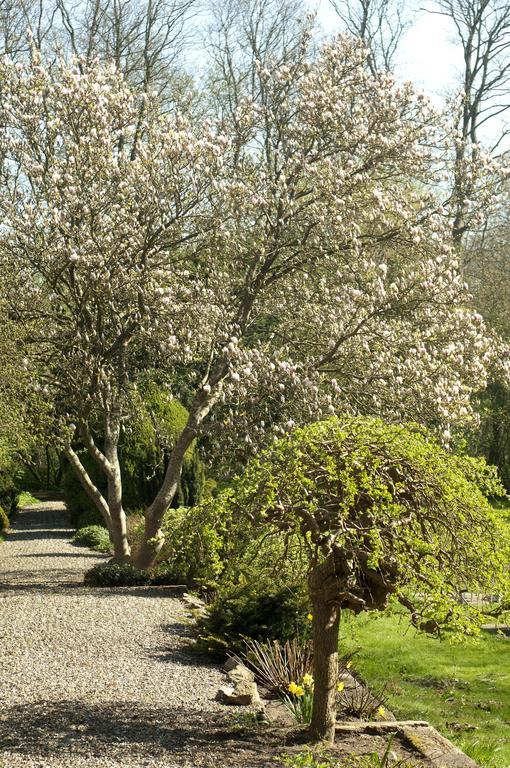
x=326 y=622
x=153 y=539
x=118 y=531
x=121 y=548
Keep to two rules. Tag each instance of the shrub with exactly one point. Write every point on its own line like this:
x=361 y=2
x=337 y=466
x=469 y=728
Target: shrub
x=259 y=610
x=94 y=537
x=8 y=490
x=4 y=520
x=82 y=510
x=194 y=551
x=158 y=420
x=116 y=575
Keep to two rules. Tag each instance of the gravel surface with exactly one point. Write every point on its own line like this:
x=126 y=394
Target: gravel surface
x=94 y=678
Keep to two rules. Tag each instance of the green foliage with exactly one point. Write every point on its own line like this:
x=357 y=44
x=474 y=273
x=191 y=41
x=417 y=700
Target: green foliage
x=116 y=575
x=82 y=510
x=8 y=488
x=25 y=498
x=194 y=546
x=493 y=438
x=4 y=520
x=94 y=537
x=383 y=510
x=89 y=517
x=258 y=609
x=158 y=420
x=484 y=476
x=320 y=757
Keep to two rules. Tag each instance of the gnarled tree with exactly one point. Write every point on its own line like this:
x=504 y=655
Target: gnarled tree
x=383 y=511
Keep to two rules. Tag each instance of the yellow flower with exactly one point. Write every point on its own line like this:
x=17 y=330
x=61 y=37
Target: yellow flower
x=299 y=691
x=340 y=687
x=348 y=665
x=309 y=616
x=381 y=711
x=307 y=681
x=293 y=688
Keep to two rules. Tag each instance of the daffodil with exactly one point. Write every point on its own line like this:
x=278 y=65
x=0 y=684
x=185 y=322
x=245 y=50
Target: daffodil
x=348 y=665
x=309 y=616
x=307 y=681
x=300 y=691
x=381 y=711
x=293 y=688
x=340 y=687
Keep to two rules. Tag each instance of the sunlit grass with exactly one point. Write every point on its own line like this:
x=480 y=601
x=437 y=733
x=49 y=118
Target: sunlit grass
x=463 y=690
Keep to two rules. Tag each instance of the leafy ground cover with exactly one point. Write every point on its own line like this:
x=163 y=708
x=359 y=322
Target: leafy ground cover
x=25 y=498
x=463 y=690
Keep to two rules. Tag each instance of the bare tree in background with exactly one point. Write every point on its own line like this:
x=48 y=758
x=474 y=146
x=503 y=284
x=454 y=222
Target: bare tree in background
x=144 y=39
x=247 y=36
x=24 y=23
x=483 y=30
x=379 y=23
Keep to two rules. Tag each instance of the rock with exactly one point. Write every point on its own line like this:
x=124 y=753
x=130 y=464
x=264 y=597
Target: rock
x=244 y=694
x=224 y=693
x=231 y=663
x=240 y=674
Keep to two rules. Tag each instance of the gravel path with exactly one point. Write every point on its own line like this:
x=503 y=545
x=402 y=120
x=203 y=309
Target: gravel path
x=96 y=678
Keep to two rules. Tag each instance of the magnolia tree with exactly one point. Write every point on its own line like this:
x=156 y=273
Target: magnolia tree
x=382 y=511
x=292 y=263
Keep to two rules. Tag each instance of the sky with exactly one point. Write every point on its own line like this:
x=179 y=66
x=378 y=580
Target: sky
x=427 y=55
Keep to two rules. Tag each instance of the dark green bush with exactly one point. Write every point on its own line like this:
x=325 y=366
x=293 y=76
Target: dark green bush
x=90 y=517
x=82 y=510
x=116 y=575
x=8 y=490
x=94 y=537
x=260 y=610
x=4 y=520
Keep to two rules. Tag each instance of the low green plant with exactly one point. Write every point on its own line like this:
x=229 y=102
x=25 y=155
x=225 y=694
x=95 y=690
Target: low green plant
x=4 y=520
x=116 y=575
x=25 y=498
x=94 y=537
x=320 y=757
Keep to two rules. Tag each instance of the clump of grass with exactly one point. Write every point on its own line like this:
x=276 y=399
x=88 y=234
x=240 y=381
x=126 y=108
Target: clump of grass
x=276 y=665
x=25 y=498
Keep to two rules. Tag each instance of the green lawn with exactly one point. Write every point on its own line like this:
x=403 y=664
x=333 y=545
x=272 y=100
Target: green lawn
x=454 y=687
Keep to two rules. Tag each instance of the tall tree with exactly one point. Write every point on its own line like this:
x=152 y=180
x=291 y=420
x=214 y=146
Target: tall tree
x=291 y=264
x=383 y=511
x=145 y=40
x=381 y=25
x=483 y=31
